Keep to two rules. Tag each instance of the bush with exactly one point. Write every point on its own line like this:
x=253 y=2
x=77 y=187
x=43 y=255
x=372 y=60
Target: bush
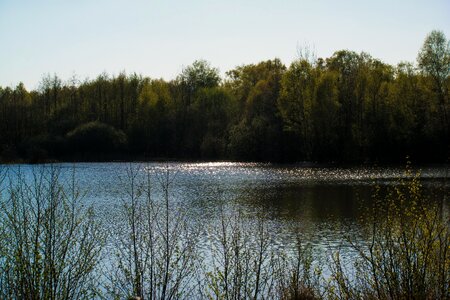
x=155 y=245
x=43 y=147
x=97 y=137
x=50 y=242
x=405 y=251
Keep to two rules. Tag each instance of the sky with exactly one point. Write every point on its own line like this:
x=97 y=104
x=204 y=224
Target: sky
x=156 y=38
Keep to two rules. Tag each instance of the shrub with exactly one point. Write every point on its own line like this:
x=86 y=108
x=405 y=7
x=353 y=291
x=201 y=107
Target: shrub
x=50 y=243
x=155 y=245
x=97 y=137
x=404 y=252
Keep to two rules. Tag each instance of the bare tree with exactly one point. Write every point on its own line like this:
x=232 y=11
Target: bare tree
x=50 y=241
x=156 y=246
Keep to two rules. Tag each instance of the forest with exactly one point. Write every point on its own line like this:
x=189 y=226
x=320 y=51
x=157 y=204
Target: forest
x=347 y=108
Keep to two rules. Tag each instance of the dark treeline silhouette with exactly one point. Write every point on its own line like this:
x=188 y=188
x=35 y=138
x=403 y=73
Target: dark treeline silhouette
x=349 y=107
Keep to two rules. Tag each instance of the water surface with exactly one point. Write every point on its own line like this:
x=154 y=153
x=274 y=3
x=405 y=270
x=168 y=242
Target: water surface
x=325 y=203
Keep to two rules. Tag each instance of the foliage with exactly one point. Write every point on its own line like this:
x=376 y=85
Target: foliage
x=405 y=252
x=199 y=75
x=96 y=137
x=349 y=107
x=434 y=60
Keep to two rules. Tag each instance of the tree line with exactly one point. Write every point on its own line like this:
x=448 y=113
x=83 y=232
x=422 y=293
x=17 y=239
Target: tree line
x=350 y=107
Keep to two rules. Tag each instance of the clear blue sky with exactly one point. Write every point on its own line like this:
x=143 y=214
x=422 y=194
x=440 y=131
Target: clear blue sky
x=158 y=38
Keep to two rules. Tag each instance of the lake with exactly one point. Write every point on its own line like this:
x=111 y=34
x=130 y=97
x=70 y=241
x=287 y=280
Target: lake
x=323 y=204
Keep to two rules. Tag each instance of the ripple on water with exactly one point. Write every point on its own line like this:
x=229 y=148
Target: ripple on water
x=325 y=203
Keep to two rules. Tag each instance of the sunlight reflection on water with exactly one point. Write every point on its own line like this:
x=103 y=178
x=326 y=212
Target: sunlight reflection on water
x=324 y=202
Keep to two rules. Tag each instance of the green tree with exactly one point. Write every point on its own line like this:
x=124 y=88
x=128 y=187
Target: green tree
x=347 y=65
x=434 y=60
x=199 y=75
x=296 y=100
x=152 y=131
x=212 y=110
x=374 y=108
x=324 y=115
x=257 y=130
x=96 y=138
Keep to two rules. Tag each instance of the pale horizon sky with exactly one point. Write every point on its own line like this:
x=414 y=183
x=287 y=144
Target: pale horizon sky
x=158 y=38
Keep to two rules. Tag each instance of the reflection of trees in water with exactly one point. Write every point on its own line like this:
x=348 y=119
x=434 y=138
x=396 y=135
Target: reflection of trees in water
x=309 y=203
